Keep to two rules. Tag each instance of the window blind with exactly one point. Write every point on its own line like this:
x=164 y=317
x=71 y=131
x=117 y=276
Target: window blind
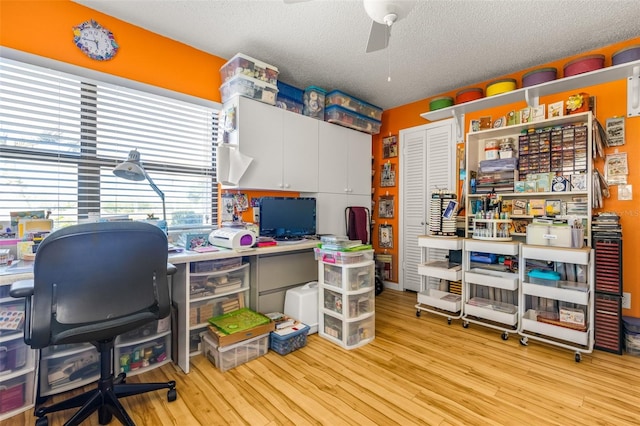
x=62 y=135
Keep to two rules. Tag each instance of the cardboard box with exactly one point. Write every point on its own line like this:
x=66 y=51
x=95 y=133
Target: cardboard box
x=221 y=339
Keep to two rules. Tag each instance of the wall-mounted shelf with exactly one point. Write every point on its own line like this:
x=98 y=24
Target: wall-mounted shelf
x=531 y=95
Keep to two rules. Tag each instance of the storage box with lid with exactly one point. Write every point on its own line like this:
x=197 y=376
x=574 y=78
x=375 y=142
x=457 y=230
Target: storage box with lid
x=313 y=100
x=337 y=97
x=554 y=235
x=246 y=65
x=249 y=88
x=290 y=98
x=343 y=257
x=231 y=356
x=338 y=115
x=289 y=339
x=302 y=303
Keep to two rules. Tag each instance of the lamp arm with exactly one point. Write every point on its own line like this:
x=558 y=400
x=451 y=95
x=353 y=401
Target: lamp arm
x=159 y=192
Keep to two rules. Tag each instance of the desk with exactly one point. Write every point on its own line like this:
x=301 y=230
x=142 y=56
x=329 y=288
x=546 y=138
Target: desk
x=273 y=270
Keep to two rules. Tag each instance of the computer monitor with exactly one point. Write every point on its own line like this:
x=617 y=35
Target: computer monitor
x=287 y=217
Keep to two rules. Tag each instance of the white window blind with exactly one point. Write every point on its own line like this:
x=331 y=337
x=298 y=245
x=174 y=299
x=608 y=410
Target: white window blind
x=62 y=135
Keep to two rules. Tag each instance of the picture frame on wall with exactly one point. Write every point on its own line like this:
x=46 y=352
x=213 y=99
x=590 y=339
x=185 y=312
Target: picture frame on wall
x=390 y=147
x=385 y=236
x=388 y=175
x=385 y=207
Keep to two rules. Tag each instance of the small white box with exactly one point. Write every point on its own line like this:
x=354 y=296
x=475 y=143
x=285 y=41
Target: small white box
x=572 y=316
x=301 y=303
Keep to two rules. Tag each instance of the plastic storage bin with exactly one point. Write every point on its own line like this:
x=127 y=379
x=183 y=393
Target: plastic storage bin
x=290 y=92
x=343 y=257
x=215 y=265
x=246 y=65
x=228 y=357
x=288 y=339
x=141 y=355
x=249 y=88
x=13 y=355
x=60 y=371
x=289 y=104
x=12 y=394
x=336 y=97
x=357 y=304
x=313 y=100
x=338 y=115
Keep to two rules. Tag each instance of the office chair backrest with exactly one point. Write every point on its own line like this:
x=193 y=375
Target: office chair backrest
x=95 y=281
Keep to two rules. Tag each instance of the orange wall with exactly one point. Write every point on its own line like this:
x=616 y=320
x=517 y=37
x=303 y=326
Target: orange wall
x=610 y=102
x=44 y=28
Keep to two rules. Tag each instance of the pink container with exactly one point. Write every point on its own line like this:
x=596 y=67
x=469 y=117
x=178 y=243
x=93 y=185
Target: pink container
x=583 y=64
x=539 y=76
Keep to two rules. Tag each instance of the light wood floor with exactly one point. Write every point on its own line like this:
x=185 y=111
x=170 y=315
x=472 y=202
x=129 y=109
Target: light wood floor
x=416 y=371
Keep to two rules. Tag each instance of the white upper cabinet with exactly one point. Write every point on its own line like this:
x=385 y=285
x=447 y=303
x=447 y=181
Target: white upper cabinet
x=345 y=160
x=283 y=146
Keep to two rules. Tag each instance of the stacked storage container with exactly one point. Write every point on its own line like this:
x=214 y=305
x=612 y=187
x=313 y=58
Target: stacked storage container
x=289 y=98
x=632 y=335
x=349 y=111
x=242 y=75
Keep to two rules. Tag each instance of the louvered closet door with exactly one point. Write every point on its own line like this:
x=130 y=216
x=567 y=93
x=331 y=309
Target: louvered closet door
x=426 y=163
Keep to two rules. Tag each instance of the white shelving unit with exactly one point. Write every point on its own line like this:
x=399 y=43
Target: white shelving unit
x=434 y=295
x=550 y=311
x=475 y=153
x=18 y=369
x=491 y=296
x=346 y=297
x=204 y=305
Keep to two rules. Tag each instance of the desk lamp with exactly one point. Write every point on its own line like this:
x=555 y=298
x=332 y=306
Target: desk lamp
x=132 y=170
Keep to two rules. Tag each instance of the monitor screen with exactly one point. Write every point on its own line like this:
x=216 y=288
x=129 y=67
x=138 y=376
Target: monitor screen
x=287 y=217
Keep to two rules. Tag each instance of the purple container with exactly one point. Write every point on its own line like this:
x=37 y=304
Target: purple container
x=628 y=54
x=539 y=76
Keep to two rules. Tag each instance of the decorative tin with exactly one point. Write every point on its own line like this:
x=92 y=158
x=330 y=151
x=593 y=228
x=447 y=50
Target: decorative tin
x=539 y=76
x=583 y=64
x=441 y=102
x=501 y=86
x=470 y=94
x=628 y=54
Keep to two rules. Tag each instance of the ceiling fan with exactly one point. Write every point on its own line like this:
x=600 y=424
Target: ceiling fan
x=384 y=14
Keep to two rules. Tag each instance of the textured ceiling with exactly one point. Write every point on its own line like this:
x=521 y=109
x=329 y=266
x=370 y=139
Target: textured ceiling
x=438 y=47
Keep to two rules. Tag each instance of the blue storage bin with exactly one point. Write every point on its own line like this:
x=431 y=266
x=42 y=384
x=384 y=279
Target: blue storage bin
x=336 y=97
x=289 y=104
x=286 y=343
x=290 y=92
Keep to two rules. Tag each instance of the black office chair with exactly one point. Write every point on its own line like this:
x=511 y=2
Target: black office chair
x=91 y=283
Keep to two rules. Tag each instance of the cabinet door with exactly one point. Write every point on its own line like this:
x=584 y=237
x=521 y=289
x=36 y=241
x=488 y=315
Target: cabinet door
x=330 y=211
x=300 y=153
x=260 y=137
x=332 y=156
x=359 y=167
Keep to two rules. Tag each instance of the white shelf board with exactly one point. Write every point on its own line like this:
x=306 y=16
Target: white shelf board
x=491 y=314
x=604 y=75
x=496 y=279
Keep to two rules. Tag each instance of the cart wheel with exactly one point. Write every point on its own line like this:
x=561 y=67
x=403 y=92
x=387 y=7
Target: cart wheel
x=449 y=321
x=418 y=313
x=505 y=336
x=578 y=357
x=523 y=341
x=42 y=421
x=465 y=324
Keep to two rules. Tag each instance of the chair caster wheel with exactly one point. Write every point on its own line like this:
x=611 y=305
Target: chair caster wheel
x=104 y=416
x=172 y=395
x=42 y=421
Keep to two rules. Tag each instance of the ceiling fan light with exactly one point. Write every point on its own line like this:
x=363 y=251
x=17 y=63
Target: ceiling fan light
x=379 y=10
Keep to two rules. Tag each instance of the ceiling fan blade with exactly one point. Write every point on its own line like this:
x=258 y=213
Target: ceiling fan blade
x=378 y=37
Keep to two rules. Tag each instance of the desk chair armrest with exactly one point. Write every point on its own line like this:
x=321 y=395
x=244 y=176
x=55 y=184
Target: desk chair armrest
x=24 y=289
x=171 y=269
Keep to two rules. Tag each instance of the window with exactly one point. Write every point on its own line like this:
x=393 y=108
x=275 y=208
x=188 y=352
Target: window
x=61 y=136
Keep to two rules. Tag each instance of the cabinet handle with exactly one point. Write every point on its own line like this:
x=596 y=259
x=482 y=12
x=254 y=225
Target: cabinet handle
x=286 y=185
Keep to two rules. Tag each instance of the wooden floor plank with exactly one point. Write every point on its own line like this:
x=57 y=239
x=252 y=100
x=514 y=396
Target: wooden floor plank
x=417 y=371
